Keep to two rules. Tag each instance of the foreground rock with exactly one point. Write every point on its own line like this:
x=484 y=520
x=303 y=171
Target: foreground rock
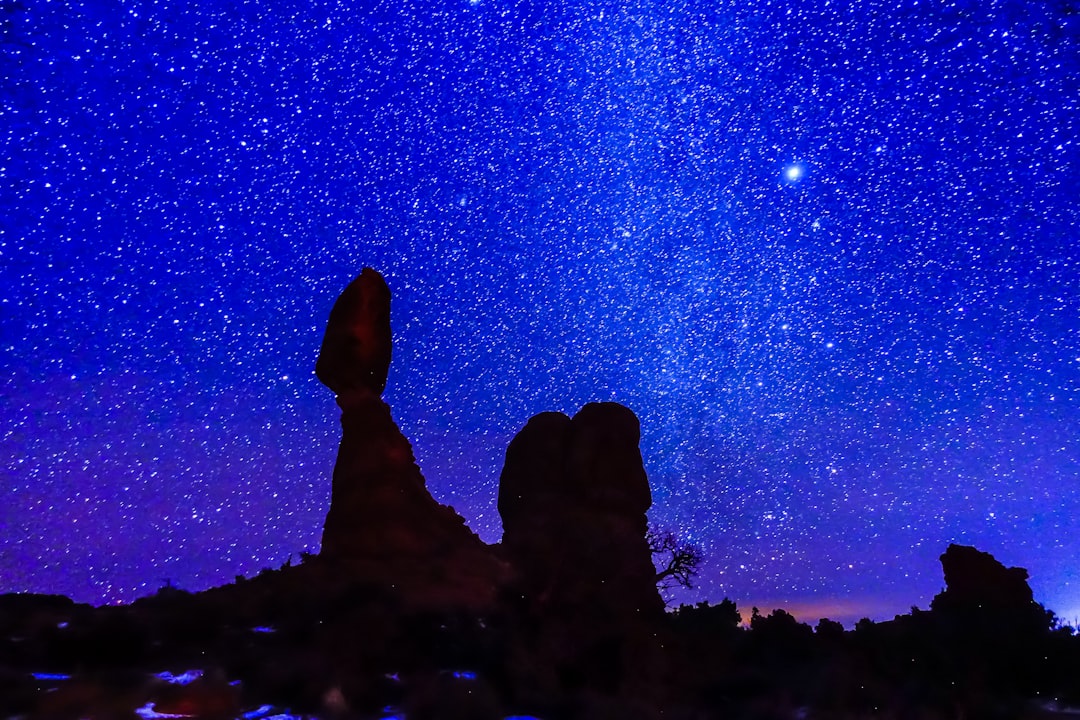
x=573 y=496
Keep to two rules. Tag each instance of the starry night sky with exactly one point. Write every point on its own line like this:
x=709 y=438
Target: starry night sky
x=829 y=257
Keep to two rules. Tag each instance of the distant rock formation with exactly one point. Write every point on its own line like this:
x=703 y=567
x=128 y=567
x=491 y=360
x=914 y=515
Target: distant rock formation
x=989 y=630
x=383 y=527
x=573 y=496
x=975 y=579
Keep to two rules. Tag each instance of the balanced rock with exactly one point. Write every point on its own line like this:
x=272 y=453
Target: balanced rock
x=383 y=527
x=356 y=347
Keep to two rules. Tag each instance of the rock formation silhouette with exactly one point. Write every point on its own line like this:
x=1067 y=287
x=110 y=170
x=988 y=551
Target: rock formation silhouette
x=357 y=344
x=383 y=526
x=990 y=630
x=573 y=495
x=575 y=571
x=976 y=579
x=405 y=609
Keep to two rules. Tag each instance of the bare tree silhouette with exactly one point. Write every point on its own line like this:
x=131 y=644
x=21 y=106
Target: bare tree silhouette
x=677 y=562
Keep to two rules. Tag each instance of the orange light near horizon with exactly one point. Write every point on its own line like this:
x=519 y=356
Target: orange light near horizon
x=847 y=612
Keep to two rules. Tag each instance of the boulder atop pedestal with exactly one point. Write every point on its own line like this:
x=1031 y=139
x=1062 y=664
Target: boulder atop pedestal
x=383 y=527
x=356 y=347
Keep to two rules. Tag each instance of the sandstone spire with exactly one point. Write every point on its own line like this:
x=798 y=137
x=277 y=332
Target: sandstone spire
x=383 y=527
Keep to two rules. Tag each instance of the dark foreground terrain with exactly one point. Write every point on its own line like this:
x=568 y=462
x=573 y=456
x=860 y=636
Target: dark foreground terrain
x=272 y=646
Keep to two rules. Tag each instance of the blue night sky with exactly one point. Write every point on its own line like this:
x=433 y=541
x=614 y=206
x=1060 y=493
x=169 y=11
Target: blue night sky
x=829 y=257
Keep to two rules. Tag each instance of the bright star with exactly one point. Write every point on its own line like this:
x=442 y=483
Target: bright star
x=793 y=173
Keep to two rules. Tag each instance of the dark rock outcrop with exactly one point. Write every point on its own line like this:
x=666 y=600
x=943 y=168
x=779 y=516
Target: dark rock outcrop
x=991 y=635
x=975 y=579
x=383 y=527
x=573 y=496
